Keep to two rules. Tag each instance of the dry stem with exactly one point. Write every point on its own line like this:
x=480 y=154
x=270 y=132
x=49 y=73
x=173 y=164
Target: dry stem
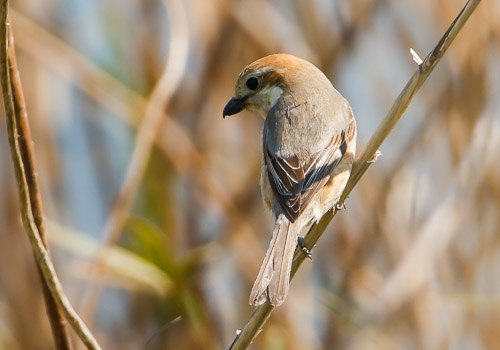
x=261 y=313
x=21 y=146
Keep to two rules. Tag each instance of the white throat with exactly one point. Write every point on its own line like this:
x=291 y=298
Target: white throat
x=274 y=94
x=267 y=99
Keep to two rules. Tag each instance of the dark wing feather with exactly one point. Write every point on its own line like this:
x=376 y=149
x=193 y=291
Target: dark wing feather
x=293 y=184
x=287 y=179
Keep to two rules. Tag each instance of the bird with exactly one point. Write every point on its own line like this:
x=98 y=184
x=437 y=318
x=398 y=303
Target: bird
x=309 y=145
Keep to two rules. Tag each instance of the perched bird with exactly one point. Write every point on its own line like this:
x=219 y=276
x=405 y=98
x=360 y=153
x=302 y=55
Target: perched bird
x=309 y=142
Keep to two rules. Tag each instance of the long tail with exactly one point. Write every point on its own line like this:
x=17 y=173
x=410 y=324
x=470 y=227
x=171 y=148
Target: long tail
x=274 y=276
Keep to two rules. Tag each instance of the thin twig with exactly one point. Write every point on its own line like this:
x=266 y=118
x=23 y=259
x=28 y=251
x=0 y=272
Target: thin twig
x=21 y=146
x=155 y=111
x=25 y=149
x=146 y=135
x=17 y=124
x=261 y=313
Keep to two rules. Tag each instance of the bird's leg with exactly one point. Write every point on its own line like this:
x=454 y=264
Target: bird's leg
x=302 y=244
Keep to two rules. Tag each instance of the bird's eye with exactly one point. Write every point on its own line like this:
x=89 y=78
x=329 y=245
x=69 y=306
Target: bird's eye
x=252 y=83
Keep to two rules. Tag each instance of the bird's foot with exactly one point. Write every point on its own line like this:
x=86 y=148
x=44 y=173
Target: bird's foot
x=302 y=244
x=340 y=206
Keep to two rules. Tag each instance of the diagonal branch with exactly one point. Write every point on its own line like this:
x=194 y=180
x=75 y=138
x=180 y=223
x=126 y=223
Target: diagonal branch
x=21 y=146
x=262 y=313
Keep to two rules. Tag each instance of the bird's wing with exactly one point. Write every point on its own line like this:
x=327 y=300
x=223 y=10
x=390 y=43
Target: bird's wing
x=293 y=184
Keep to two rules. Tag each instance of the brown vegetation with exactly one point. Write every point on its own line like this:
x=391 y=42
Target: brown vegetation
x=412 y=263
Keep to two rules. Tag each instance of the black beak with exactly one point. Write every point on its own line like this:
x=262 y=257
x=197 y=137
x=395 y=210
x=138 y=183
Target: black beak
x=235 y=105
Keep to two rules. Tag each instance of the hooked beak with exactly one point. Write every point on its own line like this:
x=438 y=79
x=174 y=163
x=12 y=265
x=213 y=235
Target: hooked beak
x=235 y=105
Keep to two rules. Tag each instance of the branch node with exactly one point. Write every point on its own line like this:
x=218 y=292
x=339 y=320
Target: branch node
x=416 y=58
x=374 y=158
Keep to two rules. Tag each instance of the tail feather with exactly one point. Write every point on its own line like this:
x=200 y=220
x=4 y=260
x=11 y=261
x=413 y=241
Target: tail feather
x=274 y=275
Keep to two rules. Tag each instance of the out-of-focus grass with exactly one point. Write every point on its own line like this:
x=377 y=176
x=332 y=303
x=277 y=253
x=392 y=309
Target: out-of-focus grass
x=137 y=273
x=410 y=264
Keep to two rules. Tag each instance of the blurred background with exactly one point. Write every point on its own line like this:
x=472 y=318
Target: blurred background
x=153 y=206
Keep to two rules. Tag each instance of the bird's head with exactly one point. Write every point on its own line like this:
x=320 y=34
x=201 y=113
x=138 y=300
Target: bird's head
x=262 y=83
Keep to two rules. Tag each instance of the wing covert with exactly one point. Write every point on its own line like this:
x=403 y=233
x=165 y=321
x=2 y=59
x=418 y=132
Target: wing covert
x=294 y=184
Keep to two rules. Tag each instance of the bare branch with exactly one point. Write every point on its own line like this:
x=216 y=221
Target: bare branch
x=261 y=313
x=21 y=146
